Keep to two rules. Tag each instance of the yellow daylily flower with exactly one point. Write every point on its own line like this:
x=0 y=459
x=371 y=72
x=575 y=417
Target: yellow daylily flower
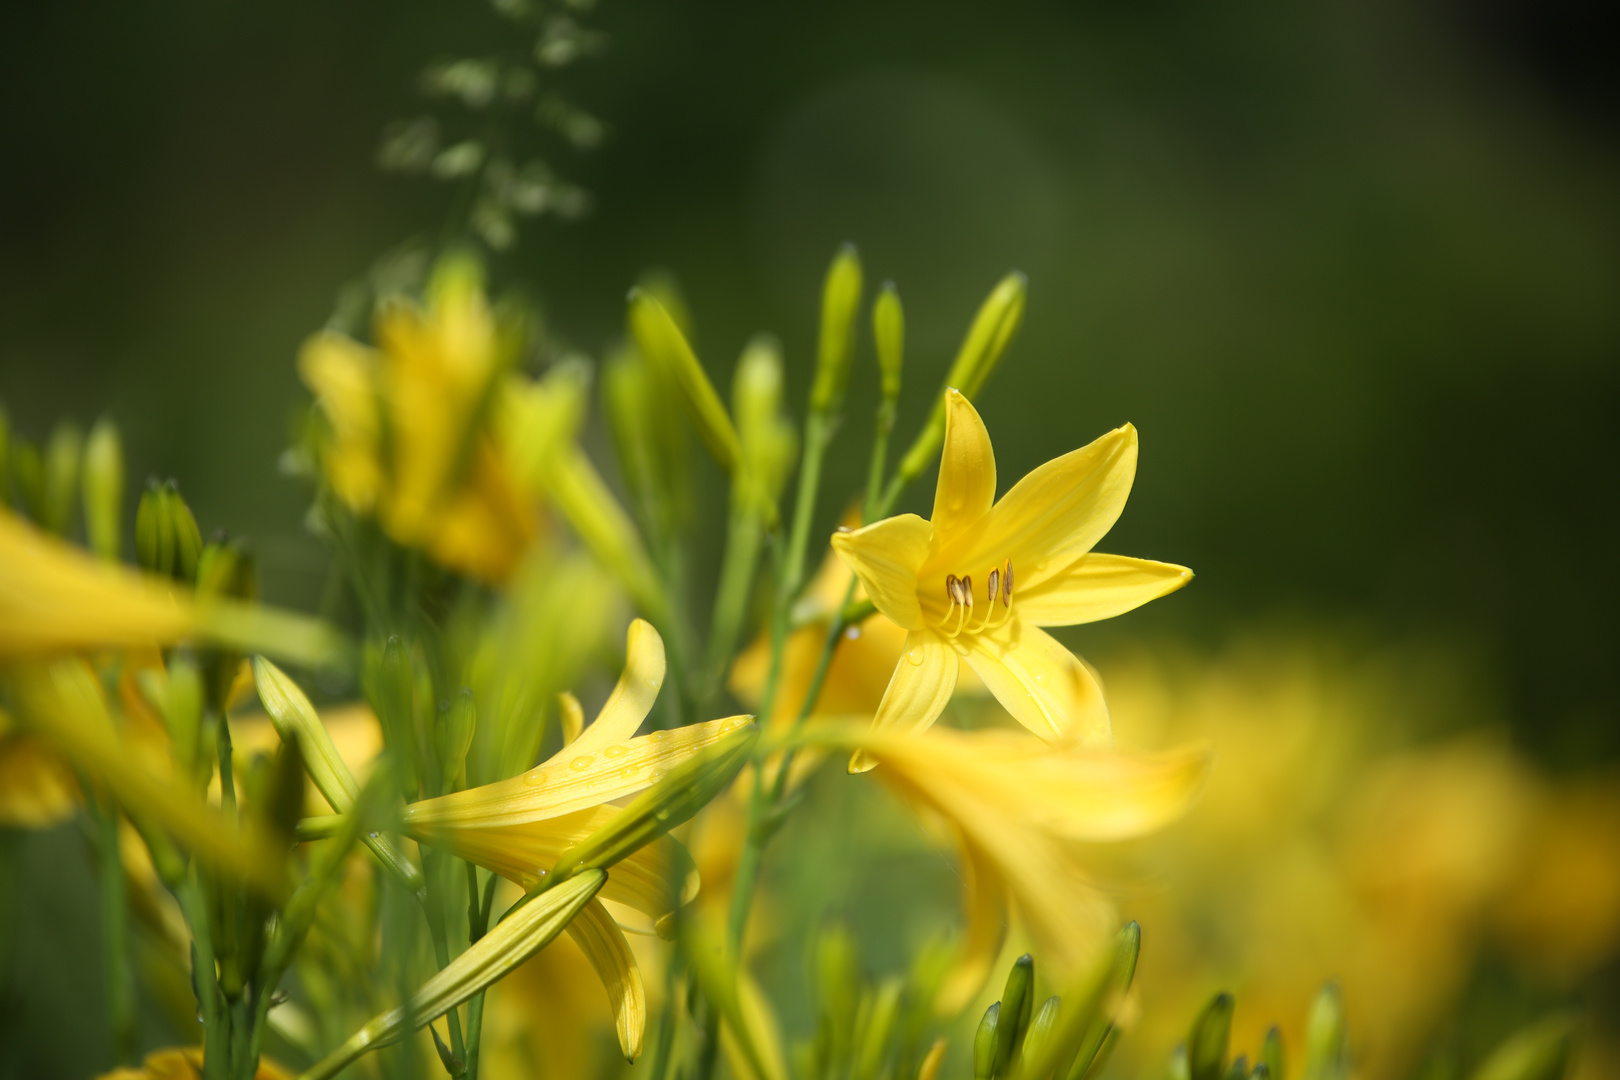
x=520 y=826
x=921 y=573
x=405 y=441
x=185 y=1063
x=1019 y=809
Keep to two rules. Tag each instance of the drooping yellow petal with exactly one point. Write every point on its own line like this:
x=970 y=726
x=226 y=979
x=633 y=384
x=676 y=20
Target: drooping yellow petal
x=632 y=699
x=918 y=690
x=184 y=1063
x=602 y=942
x=574 y=780
x=1053 y=515
x=1043 y=684
x=967 y=471
x=37 y=789
x=887 y=556
x=653 y=880
x=1097 y=586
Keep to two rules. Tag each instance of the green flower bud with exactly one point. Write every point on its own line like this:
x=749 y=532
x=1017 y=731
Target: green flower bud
x=1040 y=1030
x=1541 y=1051
x=167 y=541
x=63 y=454
x=1239 y=1069
x=182 y=703
x=889 y=331
x=986 y=342
x=838 y=982
x=840 y=301
x=1206 y=1043
x=454 y=736
x=877 y=1024
x=1017 y=1003
x=1325 y=1042
x=984 y=1044
x=1271 y=1056
x=666 y=348
x=766 y=436
x=1100 y=1028
x=104 y=489
x=28 y=475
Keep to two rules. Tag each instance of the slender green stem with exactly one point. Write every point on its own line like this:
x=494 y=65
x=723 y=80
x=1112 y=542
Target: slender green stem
x=216 y=1029
x=441 y=945
x=743 y=535
x=115 y=936
x=475 y=1027
x=880 y=453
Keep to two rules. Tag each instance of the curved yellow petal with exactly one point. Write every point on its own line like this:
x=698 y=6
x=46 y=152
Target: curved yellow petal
x=886 y=556
x=602 y=942
x=342 y=374
x=967 y=471
x=1097 y=586
x=1053 y=515
x=632 y=699
x=918 y=690
x=1043 y=684
x=653 y=880
x=574 y=780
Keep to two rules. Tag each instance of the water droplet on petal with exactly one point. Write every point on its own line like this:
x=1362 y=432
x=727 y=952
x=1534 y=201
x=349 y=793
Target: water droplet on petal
x=915 y=655
x=581 y=763
x=629 y=771
x=853 y=633
x=1040 y=678
x=656 y=775
x=536 y=778
x=615 y=752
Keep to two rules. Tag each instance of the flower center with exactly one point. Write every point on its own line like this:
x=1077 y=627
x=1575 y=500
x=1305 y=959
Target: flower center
x=958 y=618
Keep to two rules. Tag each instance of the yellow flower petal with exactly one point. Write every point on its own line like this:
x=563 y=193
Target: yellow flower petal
x=576 y=779
x=967 y=471
x=341 y=372
x=887 y=556
x=653 y=880
x=1043 y=684
x=602 y=942
x=632 y=699
x=1097 y=586
x=37 y=788
x=918 y=690
x=1053 y=515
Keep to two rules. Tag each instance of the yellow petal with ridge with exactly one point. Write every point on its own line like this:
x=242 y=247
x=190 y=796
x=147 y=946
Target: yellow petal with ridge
x=918 y=690
x=967 y=471
x=632 y=699
x=887 y=556
x=1097 y=586
x=1045 y=686
x=603 y=944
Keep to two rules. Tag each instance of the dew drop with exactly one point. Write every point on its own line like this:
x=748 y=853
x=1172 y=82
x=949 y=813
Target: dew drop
x=656 y=775
x=581 y=763
x=915 y=656
x=536 y=778
x=615 y=752
x=629 y=771
x=853 y=633
x=1040 y=678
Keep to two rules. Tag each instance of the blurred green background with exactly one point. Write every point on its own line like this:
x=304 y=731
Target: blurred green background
x=1353 y=270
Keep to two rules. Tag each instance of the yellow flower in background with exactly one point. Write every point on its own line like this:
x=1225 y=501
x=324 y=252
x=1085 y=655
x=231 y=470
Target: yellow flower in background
x=520 y=826
x=1020 y=811
x=1032 y=552
x=185 y=1064
x=1332 y=841
x=409 y=438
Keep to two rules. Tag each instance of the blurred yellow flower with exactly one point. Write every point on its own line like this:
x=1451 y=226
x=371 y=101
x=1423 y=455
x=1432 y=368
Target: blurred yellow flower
x=1020 y=811
x=919 y=573
x=185 y=1064
x=1333 y=843
x=409 y=439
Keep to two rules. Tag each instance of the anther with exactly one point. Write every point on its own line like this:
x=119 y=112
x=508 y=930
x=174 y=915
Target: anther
x=950 y=588
x=1006 y=586
x=967 y=592
x=995 y=586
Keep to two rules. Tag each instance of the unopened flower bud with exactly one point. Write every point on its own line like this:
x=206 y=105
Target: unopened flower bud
x=1325 y=1036
x=665 y=347
x=840 y=301
x=455 y=734
x=104 y=489
x=1040 y=1030
x=1271 y=1056
x=1206 y=1043
x=889 y=332
x=984 y=1044
x=765 y=435
x=167 y=541
x=1017 y=1004
x=63 y=454
x=1538 y=1052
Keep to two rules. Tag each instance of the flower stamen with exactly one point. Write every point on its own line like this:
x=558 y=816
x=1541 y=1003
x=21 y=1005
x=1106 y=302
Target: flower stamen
x=959 y=590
